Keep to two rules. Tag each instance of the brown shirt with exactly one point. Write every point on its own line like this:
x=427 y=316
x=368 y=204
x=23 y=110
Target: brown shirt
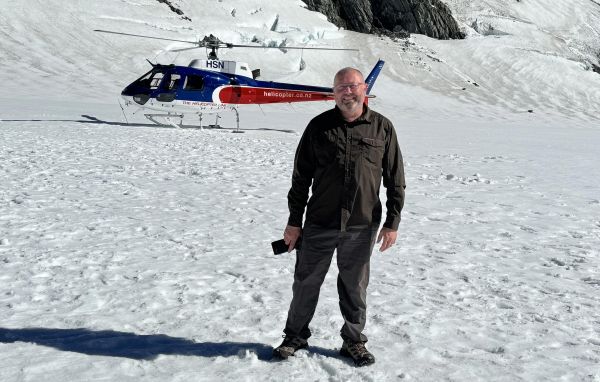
x=345 y=163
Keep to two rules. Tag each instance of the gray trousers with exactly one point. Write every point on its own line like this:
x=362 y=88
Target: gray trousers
x=354 y=247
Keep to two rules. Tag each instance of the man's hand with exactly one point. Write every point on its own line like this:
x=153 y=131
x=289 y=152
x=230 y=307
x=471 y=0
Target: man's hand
x=389 y=238
x=291 y=235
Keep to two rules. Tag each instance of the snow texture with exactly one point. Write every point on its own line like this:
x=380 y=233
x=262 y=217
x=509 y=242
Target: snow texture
x=132 y=252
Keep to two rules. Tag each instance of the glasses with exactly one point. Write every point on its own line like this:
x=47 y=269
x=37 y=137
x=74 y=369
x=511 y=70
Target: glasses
x=341 y=88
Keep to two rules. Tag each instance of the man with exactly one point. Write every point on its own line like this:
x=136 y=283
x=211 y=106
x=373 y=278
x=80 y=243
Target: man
x=344 y=153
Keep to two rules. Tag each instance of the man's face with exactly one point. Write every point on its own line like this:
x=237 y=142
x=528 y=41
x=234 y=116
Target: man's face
x=349 y=90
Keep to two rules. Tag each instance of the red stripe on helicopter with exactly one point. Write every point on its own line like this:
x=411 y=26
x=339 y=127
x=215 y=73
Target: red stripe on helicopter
x=250 y=95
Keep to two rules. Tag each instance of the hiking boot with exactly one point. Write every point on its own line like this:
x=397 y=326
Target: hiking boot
x=358 y=352
x=289 y=346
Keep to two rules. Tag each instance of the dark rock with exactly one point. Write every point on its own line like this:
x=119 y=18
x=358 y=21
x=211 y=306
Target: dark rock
x=175 y=9
x=358 y=15
x=429 y=17
x=397 y=33
x=396 y=18
x=354 y=15
x=329 y=8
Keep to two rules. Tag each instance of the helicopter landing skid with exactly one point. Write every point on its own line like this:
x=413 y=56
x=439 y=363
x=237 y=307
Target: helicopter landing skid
x=237 y=120
x=168 y=119
x=217 y=126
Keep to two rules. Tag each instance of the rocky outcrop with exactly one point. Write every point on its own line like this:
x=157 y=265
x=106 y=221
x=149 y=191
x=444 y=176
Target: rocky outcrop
x=173 y=8
x=394 y=17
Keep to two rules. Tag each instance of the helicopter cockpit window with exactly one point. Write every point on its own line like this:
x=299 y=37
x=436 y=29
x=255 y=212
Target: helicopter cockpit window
x=174 y=81
x=193 y=82
x=150 y=80
x=155 y=79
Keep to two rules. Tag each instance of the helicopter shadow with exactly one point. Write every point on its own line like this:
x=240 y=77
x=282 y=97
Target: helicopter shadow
x=89 y=119
x=130 y=345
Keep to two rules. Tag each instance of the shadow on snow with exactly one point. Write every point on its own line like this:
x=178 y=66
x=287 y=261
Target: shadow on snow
x=89 y=119
x=129 y=345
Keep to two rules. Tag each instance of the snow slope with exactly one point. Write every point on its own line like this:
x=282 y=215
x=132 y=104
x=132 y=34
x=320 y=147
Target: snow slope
x=131 y=252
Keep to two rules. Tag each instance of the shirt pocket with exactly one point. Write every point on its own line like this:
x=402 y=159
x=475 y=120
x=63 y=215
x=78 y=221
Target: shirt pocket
x=325 y=148
x=372 y=151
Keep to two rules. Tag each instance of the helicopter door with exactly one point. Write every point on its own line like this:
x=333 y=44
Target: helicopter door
x=169 y=86
x=193 y=83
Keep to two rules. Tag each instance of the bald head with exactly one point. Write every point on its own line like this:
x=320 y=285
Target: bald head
x=347 y=72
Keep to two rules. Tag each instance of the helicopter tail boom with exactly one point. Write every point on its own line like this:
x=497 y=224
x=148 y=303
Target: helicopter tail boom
x=373 y=75
x=241 y=95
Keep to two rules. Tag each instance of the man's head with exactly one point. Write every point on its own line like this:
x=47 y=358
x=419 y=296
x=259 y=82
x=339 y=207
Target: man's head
x=349 y=90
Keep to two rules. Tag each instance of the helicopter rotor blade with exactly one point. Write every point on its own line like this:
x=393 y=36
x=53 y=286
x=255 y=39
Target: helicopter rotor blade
x=287 y=47
x=151 y=37
x=215 y=43
x=184 y=49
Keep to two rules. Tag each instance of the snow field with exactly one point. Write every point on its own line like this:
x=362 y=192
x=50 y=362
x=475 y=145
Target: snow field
x=130 y=252
x=163 y=263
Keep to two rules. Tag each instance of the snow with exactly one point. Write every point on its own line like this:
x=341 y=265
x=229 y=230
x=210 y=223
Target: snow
x=131 y=252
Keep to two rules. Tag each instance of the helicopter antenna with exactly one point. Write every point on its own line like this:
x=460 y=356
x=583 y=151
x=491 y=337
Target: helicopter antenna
x=261 y=109
x=123 y=110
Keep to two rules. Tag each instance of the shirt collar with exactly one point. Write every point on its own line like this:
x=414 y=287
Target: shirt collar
x=365 y=117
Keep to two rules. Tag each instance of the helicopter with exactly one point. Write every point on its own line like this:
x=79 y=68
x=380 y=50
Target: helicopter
x=212 y=85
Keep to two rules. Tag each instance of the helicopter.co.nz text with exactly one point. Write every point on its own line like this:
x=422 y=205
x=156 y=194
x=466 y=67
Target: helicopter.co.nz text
x=286 y=94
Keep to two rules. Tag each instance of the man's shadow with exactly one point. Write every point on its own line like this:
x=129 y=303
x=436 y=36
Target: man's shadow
x=129 y=345
x=138 y=346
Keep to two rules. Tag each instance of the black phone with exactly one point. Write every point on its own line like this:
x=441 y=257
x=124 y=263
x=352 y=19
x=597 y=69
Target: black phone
x=280 y=246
